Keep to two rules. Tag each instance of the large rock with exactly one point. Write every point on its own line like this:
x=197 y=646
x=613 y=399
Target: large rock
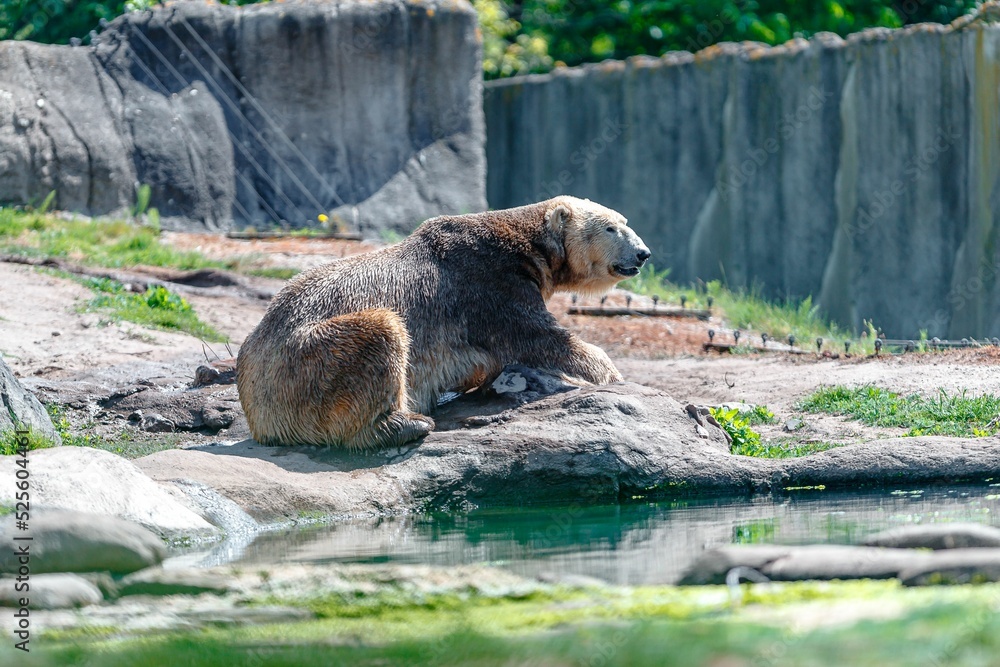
x=19 y=407
x=98 y=482
x=914 y=567
x=64 y=541
x=825 y=562
x=938 y=536
x=589 y=445
x=810 y=168
x=51 y=591
x=261 y=115
x=176 y=582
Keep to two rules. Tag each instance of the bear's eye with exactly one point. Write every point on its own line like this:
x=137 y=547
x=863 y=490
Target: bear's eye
x=611 y=230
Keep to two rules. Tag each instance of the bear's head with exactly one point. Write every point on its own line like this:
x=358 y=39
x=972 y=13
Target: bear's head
x=600 y=249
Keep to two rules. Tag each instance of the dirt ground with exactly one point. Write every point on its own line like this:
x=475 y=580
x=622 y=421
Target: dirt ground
x=50 y=343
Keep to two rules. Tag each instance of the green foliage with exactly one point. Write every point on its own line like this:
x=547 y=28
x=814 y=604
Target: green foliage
x=54 y=21
x=957 y=415
x=534 y=35
x=746 y=441
x=578 y=31
x=506 y=50
x=760 y=415
x=10 y=442
x=158 y=307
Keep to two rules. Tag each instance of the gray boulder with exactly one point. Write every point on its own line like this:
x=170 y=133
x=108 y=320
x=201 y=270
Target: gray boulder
x=512 y=444
x=959 y=566
x=51 y=591
x=824 y=562
x=380 y=126
x=914 y=567
x=18 y=406
x=937 y=536
x=176 y=582
x=64 y=541
x=94 y=481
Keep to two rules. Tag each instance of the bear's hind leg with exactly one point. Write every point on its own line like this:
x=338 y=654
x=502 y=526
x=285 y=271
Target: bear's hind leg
x=365 y=394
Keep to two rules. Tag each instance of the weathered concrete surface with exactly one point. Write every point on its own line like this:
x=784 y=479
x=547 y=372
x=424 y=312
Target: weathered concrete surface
x=370 y=112
x=862 y=172
x=19 y=407
x=913 y=567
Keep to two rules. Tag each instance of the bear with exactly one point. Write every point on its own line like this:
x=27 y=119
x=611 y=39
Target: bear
x=356 y=353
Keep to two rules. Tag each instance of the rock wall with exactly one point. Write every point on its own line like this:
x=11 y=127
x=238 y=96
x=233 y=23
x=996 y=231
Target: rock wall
x=270 y=114
x=865 y=172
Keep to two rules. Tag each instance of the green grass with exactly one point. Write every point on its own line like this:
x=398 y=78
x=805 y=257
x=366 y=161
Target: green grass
x=110 y=243
x=748 y=311
x=943 y=414
x=783 y=448
x=158 y=307
x=655 y=626
x=10 y=442
x=126 y=444
x=279 y=272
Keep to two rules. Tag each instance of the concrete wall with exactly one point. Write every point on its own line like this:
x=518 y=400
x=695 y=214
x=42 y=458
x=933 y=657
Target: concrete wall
x=369 y=112
x=864 y=172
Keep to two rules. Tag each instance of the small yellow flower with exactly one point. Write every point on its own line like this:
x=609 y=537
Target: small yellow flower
x=322 y=217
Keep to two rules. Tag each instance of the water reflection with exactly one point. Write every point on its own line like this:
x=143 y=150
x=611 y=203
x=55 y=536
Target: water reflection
x=624 y=544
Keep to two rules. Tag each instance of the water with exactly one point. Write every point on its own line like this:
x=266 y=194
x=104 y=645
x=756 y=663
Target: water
x=639 y=543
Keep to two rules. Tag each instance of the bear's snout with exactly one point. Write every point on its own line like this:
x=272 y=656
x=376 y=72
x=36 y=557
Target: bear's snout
x=642 y=256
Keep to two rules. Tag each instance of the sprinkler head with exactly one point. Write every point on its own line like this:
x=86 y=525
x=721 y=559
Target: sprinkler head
x=711 y=335
x=819 y=343
x=736 y=336
x=847 y=346
x=684 y=301
x=878 y=346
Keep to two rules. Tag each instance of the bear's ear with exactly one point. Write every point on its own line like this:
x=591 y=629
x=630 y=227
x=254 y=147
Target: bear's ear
x=555 y=233
x=556 y=218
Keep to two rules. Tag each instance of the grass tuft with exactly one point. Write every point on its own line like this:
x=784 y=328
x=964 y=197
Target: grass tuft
x=955 y=415
x=9 y=442
x=158 y=307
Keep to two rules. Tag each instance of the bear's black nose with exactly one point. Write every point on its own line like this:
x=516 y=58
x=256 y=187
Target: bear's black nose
x=642 y=255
